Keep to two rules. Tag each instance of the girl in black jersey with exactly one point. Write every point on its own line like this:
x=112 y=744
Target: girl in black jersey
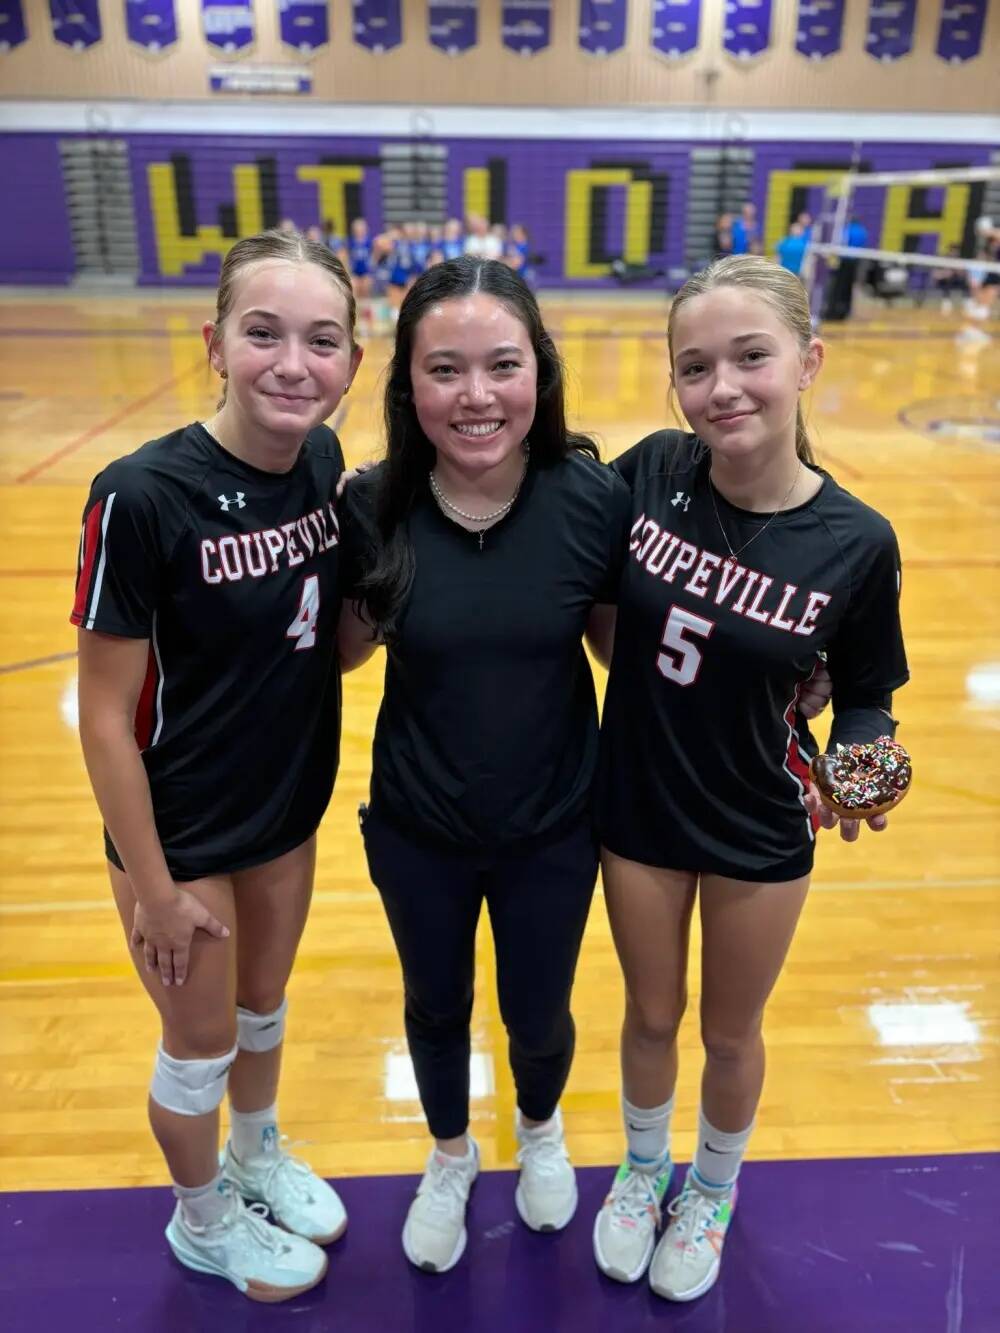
x=478 y=552
x=745 y=560
x=207 y=600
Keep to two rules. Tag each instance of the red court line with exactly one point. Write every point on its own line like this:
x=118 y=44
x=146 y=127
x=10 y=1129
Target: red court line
x=95 y=431
x=36 y=662
x=847 y=468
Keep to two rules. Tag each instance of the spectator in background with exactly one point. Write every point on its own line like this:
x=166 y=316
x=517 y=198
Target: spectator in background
x=950 y=283
x=516 y=252
x=745 y=231
x=452 y=242
x=841 y=295
x=723 y=245
x=983 y=285
x=792 y=248
x=480 y=242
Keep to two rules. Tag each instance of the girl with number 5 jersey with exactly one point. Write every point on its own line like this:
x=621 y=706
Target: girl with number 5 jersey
x=745 y=560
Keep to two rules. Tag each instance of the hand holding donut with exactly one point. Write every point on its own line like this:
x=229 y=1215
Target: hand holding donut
x=859 y=782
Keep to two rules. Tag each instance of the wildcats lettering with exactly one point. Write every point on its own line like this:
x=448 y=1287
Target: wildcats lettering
x=724 y=581
x=256 y=554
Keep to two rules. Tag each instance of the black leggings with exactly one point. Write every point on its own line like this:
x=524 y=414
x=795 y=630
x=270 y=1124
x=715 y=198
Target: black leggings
x=538 y=902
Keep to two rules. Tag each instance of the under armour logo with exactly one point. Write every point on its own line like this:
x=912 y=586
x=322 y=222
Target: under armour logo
x=225 y=502
x=681 y=498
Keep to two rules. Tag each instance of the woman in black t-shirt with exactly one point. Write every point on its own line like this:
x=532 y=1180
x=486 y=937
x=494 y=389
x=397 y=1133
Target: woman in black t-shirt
x=477 y=553
x=745 y=560
x=207 y=599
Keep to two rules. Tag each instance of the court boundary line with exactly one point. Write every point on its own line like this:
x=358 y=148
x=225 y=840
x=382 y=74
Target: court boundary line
x=102 y=426
x=37 y=662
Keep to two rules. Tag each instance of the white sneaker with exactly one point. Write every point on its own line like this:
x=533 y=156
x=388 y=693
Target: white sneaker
x=264 y=1262
x=546 y=1190
x=434 y=1232
x=299 y=1200
x=625 y=1227
x=686 y=1262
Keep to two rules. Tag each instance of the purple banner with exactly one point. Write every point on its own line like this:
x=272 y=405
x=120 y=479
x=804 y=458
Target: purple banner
x=151 y=24
x=960 y=36
x=12 y=29
x=304 y=24
x=602 y=26
x=747 y=28
x=526 y=25
x=228 y=24
x=820 y=28
x=452 y=27
x=378 y=24
x=675 y=26
x=890 y=28
x=75 y=23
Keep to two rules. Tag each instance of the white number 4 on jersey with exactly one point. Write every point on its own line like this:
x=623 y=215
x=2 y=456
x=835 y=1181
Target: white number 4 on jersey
x=303 y=627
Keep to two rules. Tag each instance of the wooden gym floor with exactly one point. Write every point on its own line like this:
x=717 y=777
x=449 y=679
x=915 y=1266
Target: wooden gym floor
x=883 y=1032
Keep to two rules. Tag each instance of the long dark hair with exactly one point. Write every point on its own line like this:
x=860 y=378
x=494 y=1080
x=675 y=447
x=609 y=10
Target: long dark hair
x=410 y=455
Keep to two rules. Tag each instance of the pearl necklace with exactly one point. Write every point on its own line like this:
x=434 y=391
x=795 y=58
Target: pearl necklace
x=505 y=508
x=733 y=554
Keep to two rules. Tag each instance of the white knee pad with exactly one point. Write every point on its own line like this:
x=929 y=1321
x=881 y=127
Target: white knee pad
x=190 y=1087
x=260 y=1032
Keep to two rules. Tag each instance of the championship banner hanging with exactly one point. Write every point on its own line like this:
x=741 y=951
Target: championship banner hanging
x=675 y=27
x=890 y=28
x=76 y=23
x=747 y=28
x=526 y=25
x=151 y=24
x=304 y=25
x=378 y=24
x=12 y=28
x=453 y=27
x=820 y=28
x=228 y=25
x=602 y=26
x=960 y=36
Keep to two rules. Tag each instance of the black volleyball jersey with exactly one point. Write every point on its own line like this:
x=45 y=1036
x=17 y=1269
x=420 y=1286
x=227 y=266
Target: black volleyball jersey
x=232 y=574
x=487 y=733
x=704 y=760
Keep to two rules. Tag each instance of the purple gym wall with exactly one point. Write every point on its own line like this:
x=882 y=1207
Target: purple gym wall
x=571 y=195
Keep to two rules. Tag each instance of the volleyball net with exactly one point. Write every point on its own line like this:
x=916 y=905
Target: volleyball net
x=947 y=221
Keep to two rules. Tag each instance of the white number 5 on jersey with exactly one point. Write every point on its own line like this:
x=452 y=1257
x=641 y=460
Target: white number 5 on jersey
x=681 y=659
x=303 y=627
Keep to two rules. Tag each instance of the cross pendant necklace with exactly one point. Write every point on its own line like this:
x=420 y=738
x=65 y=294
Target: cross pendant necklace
x=480 y=535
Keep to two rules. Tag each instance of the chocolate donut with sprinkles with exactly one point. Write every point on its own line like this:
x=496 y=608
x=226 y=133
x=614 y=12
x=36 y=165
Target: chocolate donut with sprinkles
x=859 y=781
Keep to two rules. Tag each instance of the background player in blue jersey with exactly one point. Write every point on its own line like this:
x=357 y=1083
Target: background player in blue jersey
x=745 y=560
x=207 y=600
x=359 y=250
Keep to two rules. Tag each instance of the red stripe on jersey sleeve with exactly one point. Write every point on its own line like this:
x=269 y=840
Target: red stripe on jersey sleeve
x=796 y=762
x=145 y=709
x=85 y=576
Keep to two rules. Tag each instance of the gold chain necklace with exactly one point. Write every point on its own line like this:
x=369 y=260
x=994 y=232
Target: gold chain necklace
x=733 y=554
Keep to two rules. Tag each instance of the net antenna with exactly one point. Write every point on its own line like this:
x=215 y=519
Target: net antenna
x=837 y=207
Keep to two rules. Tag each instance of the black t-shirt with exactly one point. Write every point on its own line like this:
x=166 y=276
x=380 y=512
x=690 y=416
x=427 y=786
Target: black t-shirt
x=232 y=574
x=487 y=734
x=704 y=758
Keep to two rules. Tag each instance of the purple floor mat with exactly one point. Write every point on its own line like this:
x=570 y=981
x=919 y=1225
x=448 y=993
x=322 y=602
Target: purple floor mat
x=854 y=1246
